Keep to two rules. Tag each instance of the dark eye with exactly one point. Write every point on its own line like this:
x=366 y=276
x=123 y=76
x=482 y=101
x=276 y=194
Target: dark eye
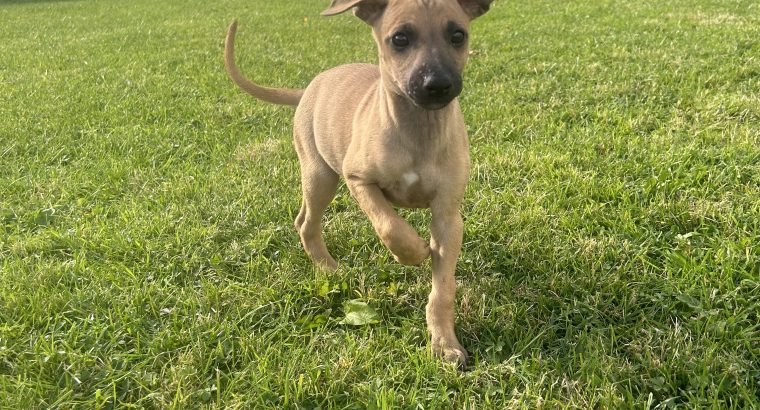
x=458 y=38
x=400 y=40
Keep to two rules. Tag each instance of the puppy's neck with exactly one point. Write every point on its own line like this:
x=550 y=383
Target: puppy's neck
x=399 y=111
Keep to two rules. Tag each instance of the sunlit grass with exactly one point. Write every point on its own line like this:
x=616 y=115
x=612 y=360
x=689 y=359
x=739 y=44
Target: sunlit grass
x=147 y=256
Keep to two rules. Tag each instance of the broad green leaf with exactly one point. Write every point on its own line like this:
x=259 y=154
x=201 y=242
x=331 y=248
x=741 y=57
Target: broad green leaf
x=359 y=313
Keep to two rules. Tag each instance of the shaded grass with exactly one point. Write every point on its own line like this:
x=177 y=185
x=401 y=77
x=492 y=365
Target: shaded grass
x=147 y=258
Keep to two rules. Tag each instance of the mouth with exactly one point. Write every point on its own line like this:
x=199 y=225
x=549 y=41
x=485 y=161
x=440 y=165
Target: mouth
x=432 y=105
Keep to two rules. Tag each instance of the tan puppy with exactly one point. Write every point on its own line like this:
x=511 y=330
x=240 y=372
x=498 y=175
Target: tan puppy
x=395 y=133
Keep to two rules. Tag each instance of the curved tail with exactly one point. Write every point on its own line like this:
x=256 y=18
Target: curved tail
x=283 y=96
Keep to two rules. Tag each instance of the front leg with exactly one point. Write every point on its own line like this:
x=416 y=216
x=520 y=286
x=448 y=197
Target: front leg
x=402 y=240
x=446 y=243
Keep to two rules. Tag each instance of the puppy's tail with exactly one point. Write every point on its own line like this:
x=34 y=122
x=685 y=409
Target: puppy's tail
x=283 y=96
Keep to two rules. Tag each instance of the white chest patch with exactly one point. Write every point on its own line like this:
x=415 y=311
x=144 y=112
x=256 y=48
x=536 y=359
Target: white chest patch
x=410 y=178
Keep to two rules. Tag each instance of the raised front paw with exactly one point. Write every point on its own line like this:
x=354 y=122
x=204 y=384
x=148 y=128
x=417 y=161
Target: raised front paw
x=414 y=254
x=406 y=246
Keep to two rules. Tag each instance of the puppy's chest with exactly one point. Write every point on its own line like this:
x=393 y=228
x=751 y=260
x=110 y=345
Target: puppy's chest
x=412 y=168
x=412 y=187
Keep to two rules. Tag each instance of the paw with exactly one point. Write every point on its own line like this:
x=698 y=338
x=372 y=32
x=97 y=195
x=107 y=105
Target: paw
x=402 y=240
x=319 y=255
x=414 y=254
x=450 y=351
x=327 y=264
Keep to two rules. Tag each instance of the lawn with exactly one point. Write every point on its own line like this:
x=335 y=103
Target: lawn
x=612 y=222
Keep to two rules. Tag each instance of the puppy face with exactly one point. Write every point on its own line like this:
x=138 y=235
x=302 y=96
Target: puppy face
x=423 y=49
x=423 y=44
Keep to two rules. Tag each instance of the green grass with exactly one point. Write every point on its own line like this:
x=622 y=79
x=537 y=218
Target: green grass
x=148 y=260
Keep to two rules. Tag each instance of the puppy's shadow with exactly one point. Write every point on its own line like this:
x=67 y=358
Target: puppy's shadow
x=534 y=313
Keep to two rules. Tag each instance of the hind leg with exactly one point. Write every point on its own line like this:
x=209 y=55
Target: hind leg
x=318 y=183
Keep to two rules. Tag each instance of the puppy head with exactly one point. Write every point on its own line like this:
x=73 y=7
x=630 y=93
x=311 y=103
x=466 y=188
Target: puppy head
x=423 y=44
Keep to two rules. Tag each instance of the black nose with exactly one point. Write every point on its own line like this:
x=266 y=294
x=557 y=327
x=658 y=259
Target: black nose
x=433 y=88
x=437 y=86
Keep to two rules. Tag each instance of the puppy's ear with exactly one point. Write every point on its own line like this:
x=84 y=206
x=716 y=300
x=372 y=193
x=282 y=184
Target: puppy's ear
x=367 y=10
x=475 y=8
